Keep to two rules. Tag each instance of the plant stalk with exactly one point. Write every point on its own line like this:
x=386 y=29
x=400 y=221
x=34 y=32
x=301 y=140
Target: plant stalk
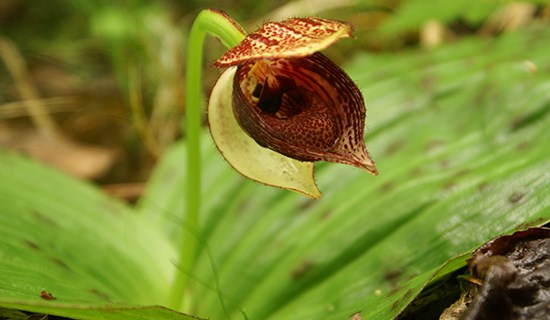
x=219 y=25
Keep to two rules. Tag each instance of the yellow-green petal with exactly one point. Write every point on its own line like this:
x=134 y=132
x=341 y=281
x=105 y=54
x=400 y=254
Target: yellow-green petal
x=245 y=155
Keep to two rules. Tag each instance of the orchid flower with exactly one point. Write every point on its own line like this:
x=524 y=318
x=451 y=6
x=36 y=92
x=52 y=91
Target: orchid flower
x=281 y=105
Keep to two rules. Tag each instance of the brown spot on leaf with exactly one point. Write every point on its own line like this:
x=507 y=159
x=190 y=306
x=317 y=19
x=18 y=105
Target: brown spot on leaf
x=44 y=219
x=387 y=187
x=60 y=263
x=483 y=186
x=393 y=275
x=46 y=295
x=523 y=145
x=394 y=147
x=417 y=172
x=393 y=291
x=99 y=294
x=433 y=145
x=32 y=245
x=449 y=185
x=302 y=270
x=305 y=205
x=535 y=223
x=400 y=301
x=516 y=197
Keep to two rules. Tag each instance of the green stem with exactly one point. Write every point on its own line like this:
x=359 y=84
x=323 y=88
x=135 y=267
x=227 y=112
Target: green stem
x=218 y=24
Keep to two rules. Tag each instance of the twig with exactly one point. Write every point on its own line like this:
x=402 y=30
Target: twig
x=16 y=109
x=19 y=72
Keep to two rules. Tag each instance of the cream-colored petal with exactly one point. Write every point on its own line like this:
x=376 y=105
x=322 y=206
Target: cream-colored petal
x=291 y=38
x=245 y=155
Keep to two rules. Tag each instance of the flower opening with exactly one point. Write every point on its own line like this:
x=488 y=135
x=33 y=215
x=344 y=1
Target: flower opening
x=290 y=98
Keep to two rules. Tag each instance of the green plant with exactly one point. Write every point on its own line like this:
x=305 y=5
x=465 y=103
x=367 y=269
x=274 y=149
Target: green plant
x=295 y=43
x=461 y=137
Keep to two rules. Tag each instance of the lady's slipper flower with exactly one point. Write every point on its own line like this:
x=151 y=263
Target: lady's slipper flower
x=292 y=101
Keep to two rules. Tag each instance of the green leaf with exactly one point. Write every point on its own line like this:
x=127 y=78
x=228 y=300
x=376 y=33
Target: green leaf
x=460 y=138
x=62 y=236
x=91 y=311
x=413 y=14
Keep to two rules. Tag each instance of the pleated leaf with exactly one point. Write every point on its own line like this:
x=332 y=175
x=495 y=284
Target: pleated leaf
x=461 y=139
x=69 y=250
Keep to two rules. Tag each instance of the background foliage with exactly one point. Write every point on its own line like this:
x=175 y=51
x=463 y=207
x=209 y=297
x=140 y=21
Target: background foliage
x=458 y=100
